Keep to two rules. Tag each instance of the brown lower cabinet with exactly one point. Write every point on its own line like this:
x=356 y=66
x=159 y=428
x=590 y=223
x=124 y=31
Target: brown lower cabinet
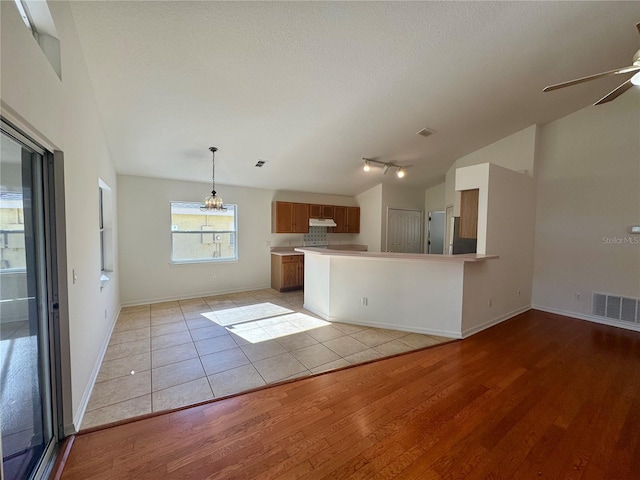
x=287 y=272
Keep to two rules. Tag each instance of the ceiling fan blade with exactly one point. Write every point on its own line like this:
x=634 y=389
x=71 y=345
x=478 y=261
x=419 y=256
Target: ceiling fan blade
x=615 y=93
x=617 y=71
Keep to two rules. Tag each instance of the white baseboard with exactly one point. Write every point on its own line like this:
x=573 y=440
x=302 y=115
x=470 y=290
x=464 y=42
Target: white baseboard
x=494 y=321
x=79 y=415
x=315 y=311
x=589 y=318
x=193 y=295
x=390 y=326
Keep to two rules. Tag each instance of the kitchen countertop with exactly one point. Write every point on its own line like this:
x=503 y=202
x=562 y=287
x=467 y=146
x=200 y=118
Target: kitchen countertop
x=286 y=251
x=467 y=257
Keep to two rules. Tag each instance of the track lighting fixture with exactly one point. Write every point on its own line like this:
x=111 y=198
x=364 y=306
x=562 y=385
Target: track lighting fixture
x=400 y=172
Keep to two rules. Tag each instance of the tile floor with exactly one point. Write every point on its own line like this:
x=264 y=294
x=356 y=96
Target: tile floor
x=168 y=355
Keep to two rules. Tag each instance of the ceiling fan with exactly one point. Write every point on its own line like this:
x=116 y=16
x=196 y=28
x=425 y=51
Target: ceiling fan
x=635 y=80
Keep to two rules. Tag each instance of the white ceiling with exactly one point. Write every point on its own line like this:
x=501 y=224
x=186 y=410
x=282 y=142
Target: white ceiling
x=312 y=87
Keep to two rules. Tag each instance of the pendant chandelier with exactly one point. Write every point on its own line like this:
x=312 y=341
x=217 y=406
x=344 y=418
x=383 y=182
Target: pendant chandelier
x=213 y=201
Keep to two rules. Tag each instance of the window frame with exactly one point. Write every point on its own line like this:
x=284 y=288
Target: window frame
x=192 y=261
x=101 y=227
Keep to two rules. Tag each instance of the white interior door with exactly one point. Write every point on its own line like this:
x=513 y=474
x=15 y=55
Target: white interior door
x=404 y=231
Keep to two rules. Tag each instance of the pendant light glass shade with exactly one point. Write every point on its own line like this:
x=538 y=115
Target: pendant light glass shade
x=213 y=201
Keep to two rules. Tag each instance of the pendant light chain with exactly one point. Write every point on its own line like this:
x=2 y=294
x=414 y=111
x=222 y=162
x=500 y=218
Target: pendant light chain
x=213 y=170
x=213 y=201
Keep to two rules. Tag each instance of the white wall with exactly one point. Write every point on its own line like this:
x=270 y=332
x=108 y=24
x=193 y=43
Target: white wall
x=412 y=295
x=588 y=184
x=62 y=114
x=370 y=203
x=498 y=289
x=145 y=239
x=516 y=152
x=435 y=198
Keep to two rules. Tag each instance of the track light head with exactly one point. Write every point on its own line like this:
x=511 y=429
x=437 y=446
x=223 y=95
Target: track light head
x=385 y=168
x=400 y=172
x=366 y=167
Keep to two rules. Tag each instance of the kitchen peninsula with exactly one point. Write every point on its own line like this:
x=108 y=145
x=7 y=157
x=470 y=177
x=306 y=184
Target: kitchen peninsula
x=412 y=292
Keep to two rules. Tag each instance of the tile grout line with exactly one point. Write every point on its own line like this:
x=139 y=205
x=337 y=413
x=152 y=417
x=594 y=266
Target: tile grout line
x=245 y=301
x=204 y=370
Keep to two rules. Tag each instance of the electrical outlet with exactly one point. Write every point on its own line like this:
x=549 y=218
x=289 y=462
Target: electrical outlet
x=75 y=277
x=364 y=301
x=519 y=292
x=490 y=302
x=214 y=278
x=578 y=296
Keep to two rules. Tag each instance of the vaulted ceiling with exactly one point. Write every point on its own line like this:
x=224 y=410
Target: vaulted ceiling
x=312 y=87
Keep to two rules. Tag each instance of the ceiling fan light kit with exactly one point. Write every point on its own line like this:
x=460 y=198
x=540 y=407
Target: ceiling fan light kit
x=619 y=90
x=386 y=166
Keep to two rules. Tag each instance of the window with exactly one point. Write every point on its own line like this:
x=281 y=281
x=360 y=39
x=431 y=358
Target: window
x=101 y=221
x=198 y=236
x=105 y=230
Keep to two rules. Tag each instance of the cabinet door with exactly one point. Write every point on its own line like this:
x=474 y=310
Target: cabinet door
x=353 y=219
x=284 y=217
x=301 y=270
x=300 y=218
x=469 y=213
x=290 y=274
x=315 y=211
x=340 y=217
x=327 y=211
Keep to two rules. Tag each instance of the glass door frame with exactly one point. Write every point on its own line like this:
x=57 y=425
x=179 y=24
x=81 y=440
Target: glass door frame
x=48 y=184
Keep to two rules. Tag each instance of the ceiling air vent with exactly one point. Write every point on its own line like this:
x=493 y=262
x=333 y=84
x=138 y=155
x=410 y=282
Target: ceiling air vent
x=260 y=163
x=425 y=132
x=616 y=307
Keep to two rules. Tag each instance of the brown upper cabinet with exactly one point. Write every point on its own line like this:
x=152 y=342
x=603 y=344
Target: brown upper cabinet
x=347 y=219
x=469 y=213
x=320 y=211
x=291 y=217
x=353 y=219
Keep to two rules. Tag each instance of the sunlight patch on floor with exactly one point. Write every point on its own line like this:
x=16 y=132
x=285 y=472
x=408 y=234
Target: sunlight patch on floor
x=249 y=313
x=276 y=327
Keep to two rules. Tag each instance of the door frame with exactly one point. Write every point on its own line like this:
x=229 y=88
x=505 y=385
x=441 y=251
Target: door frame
x=427 y=240
x=51 y=179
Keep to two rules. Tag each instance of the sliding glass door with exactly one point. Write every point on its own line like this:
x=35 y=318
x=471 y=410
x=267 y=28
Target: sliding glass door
x=27 y=416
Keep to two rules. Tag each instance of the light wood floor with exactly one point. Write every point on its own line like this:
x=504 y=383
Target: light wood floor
x=538 y=396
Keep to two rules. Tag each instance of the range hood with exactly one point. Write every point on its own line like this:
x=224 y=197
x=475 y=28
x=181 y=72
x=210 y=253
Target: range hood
x=322 y=222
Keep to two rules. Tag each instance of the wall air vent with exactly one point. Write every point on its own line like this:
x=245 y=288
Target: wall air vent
x=616 y=307
x=425 y=132
x=260 y=163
